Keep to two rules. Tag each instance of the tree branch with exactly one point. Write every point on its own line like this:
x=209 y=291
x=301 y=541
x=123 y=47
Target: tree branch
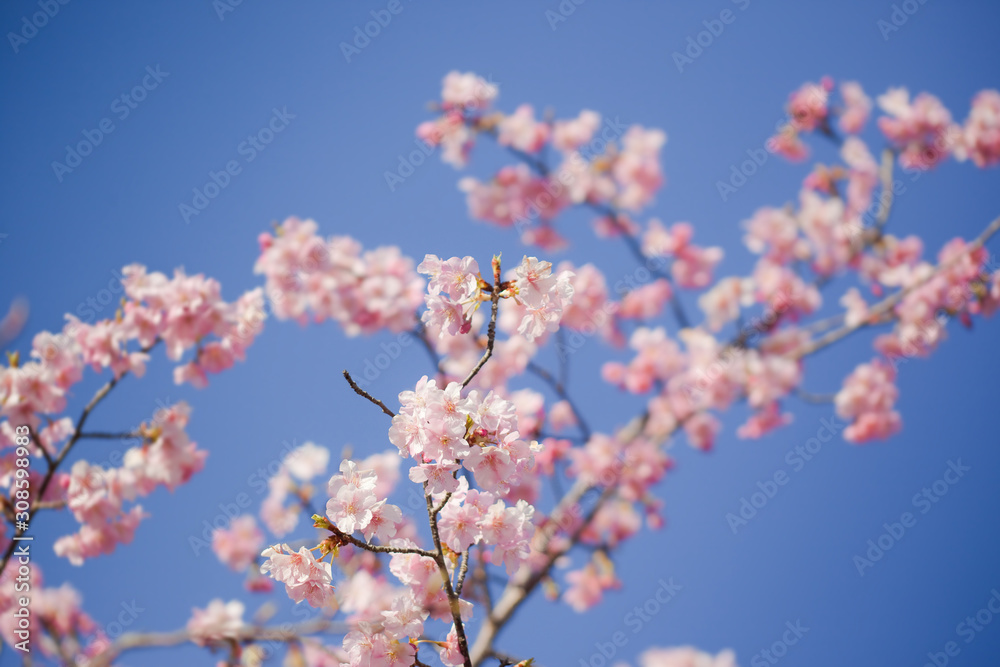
x=361 y=392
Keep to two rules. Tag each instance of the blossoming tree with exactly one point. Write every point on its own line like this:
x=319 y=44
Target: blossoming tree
x=438 y=582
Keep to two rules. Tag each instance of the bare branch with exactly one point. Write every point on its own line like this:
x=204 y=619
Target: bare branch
x=491 y=334
x=361 y=392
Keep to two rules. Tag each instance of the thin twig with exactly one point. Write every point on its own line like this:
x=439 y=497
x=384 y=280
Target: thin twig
x=361 y=392
x=560 y=389
x=491 y=334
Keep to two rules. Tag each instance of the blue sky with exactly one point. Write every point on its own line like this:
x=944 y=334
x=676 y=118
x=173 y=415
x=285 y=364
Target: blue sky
x=221 y=78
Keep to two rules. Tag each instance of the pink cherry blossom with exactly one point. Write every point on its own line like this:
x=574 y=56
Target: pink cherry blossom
x=637 y=168
x=217 y=622
x=238 y=545
x=788 y=143
x=521 y=131
x=569 y=135
x=307 y=461
x=514 y=196
x=587 y=586
x=980 y=138
x=467 y=90
x=721 y=304
x=304 y=577
x=923 y=128
x=764 y=421
x=701 y=430
x=692 y=266
x=334 y=279
x=773 y=232
x=867 y=398
x=647 y=301
x=807 y=106
x=857 y=107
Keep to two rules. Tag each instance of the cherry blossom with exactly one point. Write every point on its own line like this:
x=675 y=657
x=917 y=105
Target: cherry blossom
x=238 y=545
x=304 y=577
x=217 y=622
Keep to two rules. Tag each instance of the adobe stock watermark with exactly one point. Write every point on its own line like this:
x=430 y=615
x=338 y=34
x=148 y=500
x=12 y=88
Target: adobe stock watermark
x=968 y=630
x=391 y=351
x=924 y=500
x=757 y=157
x=223 y=7
x=796 y=459
x=381 y=18
x=699 y=43
x=898 y=17
x=122 y=107
x=779 y=649
x=31 y=25
x=562 y=12
x=408 y=165
x=255 y=144
x=635 y=620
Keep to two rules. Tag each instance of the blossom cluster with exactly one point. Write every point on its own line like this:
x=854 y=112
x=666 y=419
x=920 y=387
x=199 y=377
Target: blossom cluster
x=617 y=168
x=445 y=431
x=96 y=496
x=477 y=446
x=364 y=291
x=921 y=129
x=456 y=290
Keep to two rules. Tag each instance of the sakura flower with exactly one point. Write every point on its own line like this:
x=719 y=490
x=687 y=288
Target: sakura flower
x=439 y=477
x=788 y=143
x=450 y=653
x=405 y=618
x=238 y=545
x=467 y=91
x=304 y=577
x=980 y=138
x=522 y=132
x=515 y=196
x=647 y=301
x=307 y=461
x=587 y=585
x=867 y=397
x=637 y=168
x=351 y=508
x=857 y=106
x=808 y=105
x=763 y=422
x=543 y=295
x=569 y=135
x=857 y=309
x=721 y=304
x=922 y=128
x=773 y=232
x=692 y=265
x=383 y=524
x=451 y=133
x=701 y=430
x=219 y=621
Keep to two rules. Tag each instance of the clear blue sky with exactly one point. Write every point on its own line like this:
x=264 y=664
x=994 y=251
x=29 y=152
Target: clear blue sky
x=120 y=205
